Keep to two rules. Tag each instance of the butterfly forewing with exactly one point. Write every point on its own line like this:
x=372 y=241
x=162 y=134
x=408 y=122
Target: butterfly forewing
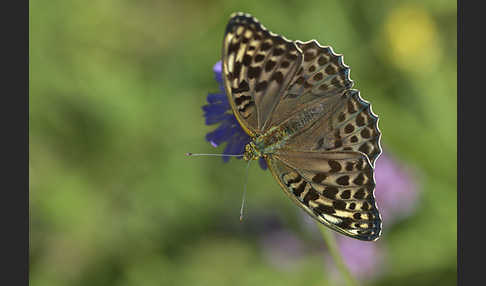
x=336 y=188
x=258 y=66
x=322 y=74
x=347 y=124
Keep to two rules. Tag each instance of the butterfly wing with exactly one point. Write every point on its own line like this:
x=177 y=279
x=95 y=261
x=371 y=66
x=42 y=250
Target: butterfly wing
x=258 y=65
x=321 y=76
x=335 y=188
x=349 y=124
x=345 y=122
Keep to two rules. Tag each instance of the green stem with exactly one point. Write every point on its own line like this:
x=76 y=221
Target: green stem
x=331 y=243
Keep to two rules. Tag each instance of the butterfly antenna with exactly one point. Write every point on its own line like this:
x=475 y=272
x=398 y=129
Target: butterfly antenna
x=243 y=201
x=218 y=155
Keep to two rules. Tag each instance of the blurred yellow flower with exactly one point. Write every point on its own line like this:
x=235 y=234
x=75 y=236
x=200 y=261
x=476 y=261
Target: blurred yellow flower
x=412 y=38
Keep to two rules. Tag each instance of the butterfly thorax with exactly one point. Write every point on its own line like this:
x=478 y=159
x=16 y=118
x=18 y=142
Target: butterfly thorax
x=252 y=152
x=266 y=144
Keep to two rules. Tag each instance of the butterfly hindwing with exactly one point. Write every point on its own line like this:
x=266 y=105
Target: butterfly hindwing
x=257 y=66
x=335 y=188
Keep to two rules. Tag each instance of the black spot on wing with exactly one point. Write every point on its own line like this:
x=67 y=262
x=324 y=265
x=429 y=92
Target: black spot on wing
x=339 y=205
x=240 y=99
x=243 y=87
x=254 y=72
x=292 y=181
x=346 y=194
x=278 y=77
x=311 y=195
x=343 y=180
x=270 y=65
x=330 y=192
x=300 y=189
x=324 y=209
x=360 y=194
x=319 y=177
x=246 y=60
x=335 y=166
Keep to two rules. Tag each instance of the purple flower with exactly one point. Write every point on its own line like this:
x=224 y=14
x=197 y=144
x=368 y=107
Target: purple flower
x=364 y=260
x=218 y=110
x=282 y=248
x=396 y=189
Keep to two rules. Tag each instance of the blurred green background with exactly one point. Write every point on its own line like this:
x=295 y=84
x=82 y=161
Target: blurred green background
x=116 y=89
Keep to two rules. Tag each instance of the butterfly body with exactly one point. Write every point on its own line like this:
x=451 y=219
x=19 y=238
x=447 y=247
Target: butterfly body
x=276 y=137
x=318 y=136
x=266 y=144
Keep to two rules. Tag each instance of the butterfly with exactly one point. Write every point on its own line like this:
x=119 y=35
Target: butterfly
x=319 y=138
